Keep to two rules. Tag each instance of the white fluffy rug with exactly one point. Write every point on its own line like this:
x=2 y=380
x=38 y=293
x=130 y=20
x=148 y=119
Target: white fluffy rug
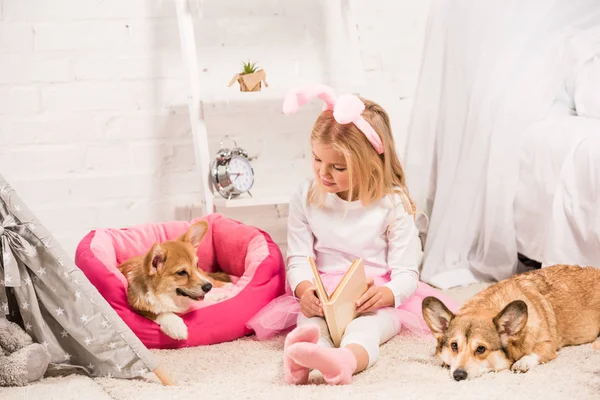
x=248 y=369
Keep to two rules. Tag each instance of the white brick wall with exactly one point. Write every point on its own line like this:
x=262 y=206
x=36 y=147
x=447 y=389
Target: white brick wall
x=94 y=128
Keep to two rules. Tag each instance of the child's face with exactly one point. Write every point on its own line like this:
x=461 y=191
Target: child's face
x=330 y=168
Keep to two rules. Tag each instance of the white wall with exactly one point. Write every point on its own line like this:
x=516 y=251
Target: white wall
x=94 y=130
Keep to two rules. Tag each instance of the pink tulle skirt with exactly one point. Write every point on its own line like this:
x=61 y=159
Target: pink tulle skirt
x=281 y=314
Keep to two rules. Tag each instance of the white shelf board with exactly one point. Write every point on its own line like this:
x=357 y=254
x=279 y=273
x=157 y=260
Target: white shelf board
x=260 y=197
x=233 y=94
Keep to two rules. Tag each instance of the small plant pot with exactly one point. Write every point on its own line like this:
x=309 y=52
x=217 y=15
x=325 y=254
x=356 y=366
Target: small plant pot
x=244 y=87
x=250 y=82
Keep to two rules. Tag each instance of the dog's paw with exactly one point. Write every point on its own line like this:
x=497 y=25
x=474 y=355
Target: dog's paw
x=214 y=297
x=525 y=363
x=173 y=326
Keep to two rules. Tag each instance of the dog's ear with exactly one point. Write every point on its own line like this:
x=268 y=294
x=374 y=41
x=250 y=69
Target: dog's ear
x=195 y=234
x=437 y=316
x=156 y=260
x=511 y=320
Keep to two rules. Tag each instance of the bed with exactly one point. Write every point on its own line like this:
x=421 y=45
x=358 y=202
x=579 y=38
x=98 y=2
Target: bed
x=557 y=203
x=247 y=254
x=502 y=149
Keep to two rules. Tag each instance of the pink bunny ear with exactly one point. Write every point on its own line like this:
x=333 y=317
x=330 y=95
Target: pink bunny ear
x=348 y=108
x=299 y=96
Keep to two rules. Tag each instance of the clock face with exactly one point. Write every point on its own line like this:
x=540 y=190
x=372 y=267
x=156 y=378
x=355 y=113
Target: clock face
x=240 y=173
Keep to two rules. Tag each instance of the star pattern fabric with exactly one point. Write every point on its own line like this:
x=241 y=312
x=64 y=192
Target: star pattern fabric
x=58 y=306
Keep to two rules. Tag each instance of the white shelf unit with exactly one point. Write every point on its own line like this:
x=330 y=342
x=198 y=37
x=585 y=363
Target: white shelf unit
x=259 y=197
x=344 y=54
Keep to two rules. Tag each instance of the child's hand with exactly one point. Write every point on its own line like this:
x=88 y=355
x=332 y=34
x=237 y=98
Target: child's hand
x=375 y=297
x=310 y=304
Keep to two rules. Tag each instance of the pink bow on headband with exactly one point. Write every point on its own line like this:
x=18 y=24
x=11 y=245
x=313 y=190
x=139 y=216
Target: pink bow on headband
x=346 y=108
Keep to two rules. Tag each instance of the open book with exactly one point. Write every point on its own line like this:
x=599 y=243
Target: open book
x=340 y=308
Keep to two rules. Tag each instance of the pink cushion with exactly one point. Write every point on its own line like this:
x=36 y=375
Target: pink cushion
x=246 y=253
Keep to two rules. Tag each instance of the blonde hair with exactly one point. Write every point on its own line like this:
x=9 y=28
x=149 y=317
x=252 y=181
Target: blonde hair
x=372 y=175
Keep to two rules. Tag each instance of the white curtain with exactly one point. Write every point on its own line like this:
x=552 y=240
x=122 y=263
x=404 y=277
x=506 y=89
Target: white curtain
x=490 y=69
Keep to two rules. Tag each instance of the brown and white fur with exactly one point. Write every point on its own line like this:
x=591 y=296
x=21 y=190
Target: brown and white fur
x=519 y=322
x=166 y=280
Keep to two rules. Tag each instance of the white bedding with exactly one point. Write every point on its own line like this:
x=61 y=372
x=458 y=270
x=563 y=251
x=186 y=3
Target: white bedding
x=490 y=70
x=557 y=204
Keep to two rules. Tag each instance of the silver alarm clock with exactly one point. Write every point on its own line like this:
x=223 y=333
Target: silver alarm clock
x=231 y=172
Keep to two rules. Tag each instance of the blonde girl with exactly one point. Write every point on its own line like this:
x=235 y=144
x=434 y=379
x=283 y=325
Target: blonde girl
x=357 y=205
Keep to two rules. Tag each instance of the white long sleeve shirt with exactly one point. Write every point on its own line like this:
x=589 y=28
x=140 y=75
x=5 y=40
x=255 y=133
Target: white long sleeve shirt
x=384 y=235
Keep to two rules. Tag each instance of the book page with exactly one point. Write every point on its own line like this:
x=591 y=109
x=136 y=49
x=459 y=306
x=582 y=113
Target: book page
x=343 y=301
x=354 y=276
x=321 y=292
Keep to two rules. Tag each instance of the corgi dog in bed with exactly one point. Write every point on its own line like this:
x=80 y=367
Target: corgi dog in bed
x=166 y=280
x=519 y=322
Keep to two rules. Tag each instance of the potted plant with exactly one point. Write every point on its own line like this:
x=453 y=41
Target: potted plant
x=250 y=78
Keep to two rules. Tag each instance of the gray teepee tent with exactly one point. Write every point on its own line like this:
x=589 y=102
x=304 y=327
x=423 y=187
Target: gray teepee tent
x=42 y=289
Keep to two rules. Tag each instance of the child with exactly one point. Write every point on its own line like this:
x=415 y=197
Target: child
x=357 y=206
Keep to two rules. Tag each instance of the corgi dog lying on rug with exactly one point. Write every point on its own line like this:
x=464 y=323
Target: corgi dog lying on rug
x=519 y=322
x=167 y=280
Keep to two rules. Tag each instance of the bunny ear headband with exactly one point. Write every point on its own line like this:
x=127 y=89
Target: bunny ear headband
x=346 y=108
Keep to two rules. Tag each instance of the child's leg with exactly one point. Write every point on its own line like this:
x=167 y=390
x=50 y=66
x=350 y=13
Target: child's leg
x=309 y=330
x=324 y=337
x=359 y=348
x=366 y=333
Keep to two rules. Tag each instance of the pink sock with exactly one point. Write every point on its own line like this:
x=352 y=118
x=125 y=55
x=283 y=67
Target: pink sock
x=295 y=374
x=337 y=365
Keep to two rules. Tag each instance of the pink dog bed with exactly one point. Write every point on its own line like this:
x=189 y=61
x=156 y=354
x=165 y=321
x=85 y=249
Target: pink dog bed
x=246 y=253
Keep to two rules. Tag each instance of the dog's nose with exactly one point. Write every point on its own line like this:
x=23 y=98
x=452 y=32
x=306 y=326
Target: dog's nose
x=206 y=287
x=459 y=375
